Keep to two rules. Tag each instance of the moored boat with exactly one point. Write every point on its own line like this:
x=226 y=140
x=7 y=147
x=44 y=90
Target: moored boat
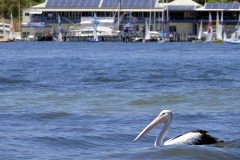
x=147 y=33
x=4 y=39
x=235 y=37
x=233 y=41
x=209 y=30
x=199 y=40
x=218 y=38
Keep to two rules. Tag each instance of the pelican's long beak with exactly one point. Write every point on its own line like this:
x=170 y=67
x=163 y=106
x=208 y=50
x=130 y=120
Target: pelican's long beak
x=154 y=123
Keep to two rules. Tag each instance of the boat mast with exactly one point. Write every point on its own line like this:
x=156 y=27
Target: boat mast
x=150 y=15
x=19 y=22
x=113 y=10
x=158 y=18
x=119 y=15
x=154 y=18
x=162 y=20
x=167 y=28
x=4 y=32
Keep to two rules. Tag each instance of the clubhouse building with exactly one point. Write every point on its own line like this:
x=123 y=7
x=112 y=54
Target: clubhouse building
x=181 y=16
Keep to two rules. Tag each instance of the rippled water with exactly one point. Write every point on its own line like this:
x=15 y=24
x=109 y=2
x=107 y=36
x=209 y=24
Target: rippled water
x=89 y=101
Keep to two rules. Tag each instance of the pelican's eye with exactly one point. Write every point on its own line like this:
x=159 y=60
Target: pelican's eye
x=163 y=114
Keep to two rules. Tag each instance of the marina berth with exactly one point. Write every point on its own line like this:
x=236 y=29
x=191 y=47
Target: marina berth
x=86 y=29
x=178 y=17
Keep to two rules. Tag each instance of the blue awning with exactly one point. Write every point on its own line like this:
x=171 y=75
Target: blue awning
x=36 y=24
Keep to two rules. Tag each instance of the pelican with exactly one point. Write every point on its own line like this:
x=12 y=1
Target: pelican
x=195 y=137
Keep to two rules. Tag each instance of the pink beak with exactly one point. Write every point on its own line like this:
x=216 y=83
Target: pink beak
x=154 y=123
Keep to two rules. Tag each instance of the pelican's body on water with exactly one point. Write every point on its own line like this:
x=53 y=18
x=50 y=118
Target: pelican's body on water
x=194 y=137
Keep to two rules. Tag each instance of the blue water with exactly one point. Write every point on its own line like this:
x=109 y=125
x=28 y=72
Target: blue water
x=90 y=101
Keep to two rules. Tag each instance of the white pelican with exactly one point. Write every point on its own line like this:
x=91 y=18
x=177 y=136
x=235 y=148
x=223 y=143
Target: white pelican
x=195 y=137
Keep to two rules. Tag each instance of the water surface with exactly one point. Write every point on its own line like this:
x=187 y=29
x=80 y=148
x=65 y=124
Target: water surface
x=90 y=100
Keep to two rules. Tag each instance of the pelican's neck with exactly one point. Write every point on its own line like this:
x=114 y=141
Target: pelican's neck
x=161 y=135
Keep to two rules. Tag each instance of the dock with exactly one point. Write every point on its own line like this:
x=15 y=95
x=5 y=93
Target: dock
x=130 y=38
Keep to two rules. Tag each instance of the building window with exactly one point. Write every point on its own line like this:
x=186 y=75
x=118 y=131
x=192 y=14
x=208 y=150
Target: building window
x=50 y=15
x=188 y=15
x=87 y=14
x=26 y=14
x=179 y=15
x=172 y=29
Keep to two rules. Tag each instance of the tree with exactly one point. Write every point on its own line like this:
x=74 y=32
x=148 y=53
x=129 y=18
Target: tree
x=202 y=2
x=213 y=1
x=11 y=6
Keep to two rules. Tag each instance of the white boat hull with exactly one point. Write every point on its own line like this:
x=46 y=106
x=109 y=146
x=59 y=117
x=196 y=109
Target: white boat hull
x=197 y=41
x=233 y=41
x=18 y=38
x=31 y=38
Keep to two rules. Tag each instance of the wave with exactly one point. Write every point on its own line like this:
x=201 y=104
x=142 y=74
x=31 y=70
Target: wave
x=174 y=152
x=229 y=144
x=12 y=81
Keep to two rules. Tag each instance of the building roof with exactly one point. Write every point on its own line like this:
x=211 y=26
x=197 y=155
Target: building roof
x=101 y=3
x=220 y=6
x=181 y=7
x=184 y=2
x=112 y=3
x=128 y=6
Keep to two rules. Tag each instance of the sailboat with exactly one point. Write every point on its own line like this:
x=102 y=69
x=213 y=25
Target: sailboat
x=209 y=30
x=59 y=29
x=224 y=36
x=234 y=39
x=95 y=25
x=4 y=33
x=59 y=39
x=218 y=39
x=147 y=33
x=199 y=40
x=11 y=38
x=147 y=27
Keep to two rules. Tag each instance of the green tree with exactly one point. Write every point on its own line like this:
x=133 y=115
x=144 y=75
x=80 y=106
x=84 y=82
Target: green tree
x=213 y=1
x=11 y=6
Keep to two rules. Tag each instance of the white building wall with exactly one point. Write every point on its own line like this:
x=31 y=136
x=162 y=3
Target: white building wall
x=183 y=28
x=25 y=19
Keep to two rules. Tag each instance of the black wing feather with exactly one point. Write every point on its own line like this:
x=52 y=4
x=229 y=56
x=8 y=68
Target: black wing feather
x=205 y=138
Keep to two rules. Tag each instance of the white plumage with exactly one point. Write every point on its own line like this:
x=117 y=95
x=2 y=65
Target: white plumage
x=189 y=138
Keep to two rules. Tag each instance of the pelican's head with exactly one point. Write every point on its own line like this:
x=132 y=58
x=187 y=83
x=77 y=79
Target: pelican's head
x=167 y=114
x=163 y=117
